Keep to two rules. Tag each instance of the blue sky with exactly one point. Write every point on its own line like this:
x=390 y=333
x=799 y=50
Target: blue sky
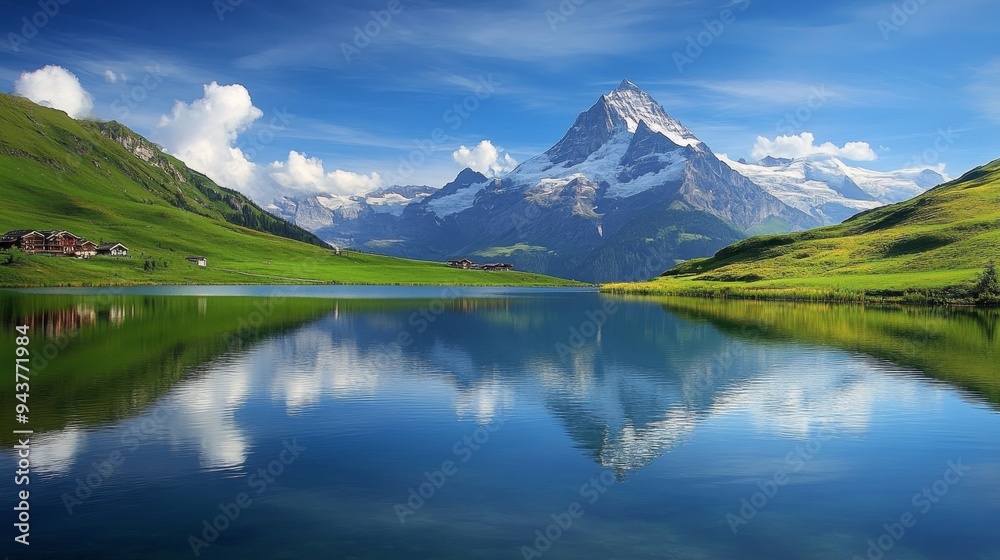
x=893 y=75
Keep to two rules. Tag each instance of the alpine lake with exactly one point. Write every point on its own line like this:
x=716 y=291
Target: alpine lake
x=457 y=423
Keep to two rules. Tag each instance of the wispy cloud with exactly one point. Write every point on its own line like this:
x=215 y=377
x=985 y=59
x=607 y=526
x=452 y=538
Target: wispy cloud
x=985 y=90
x=515 y=31
x=776 y=92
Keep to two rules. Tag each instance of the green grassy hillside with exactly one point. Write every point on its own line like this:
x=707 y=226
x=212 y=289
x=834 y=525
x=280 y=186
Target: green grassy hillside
x=106 y=183
x=931 y=247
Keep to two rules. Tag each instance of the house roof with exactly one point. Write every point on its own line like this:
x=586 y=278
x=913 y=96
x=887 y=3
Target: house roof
x=109 y=246
x=53 y=232
x=17 y=233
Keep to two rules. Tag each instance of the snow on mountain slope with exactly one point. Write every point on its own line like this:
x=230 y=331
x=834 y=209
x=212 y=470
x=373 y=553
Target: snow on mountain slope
x=463 y=199
x=895 y=186
x=673 y=171
x=604 y=164
x=316 y=212
x=393 y=200
x=338 y=202
x=634 y=106
x=831 y=190
x=610 y=162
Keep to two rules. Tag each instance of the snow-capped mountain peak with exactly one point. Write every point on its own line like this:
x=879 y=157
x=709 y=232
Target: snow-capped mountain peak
x=631 y=105
x=614 y=119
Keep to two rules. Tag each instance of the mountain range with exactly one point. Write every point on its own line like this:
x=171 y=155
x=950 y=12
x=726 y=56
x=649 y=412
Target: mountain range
x=626 y=193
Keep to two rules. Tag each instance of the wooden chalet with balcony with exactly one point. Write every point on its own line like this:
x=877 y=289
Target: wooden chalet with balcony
x=53 y=243
x=26 y=240
x=461 y=263
x=60 y=243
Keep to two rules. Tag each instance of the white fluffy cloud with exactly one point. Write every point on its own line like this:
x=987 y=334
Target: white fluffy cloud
x=203 y=134
x=56 y=87
x=111 y=77
x=302 y=173
x=804 y=144
x=485 y=158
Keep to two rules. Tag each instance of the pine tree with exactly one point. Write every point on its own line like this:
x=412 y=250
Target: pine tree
x=988 y=284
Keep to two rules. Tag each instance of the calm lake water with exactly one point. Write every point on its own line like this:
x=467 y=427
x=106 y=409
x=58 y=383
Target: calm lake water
x=429 y=423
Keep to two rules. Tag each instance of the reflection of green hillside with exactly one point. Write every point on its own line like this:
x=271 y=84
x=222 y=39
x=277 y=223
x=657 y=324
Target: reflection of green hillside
x=960 y=346
x=129 y=350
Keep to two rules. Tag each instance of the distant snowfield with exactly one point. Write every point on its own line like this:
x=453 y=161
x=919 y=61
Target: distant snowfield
x=390 y=203
x=809 y=183
x=456 y=202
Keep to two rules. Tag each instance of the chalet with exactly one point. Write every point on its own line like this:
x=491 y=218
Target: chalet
x=113 y=249
x=200 y=261
x=85 y=249
x=54 y=243
x=498 y=267
x=27 y=240
x=461 y=263
x=59 y=243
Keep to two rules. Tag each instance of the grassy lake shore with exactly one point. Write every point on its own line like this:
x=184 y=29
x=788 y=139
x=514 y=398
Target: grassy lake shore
x=304 y=265
x=951 y=287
